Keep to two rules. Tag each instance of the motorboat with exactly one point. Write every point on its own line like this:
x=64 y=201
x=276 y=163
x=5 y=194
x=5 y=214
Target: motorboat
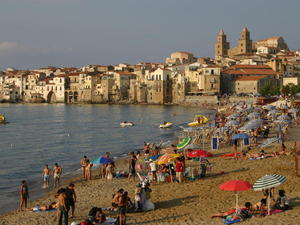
x=199 y=120
x=166 y=125
x=2 y=119
x=126 y=124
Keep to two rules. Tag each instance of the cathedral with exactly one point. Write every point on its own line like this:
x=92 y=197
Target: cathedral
x=222 y=47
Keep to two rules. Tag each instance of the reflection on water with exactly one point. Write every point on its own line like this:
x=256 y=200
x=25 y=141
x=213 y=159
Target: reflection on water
x=46 y=134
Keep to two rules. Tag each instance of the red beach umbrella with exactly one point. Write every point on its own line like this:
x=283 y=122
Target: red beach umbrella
x=236 y=185
x=197 y=153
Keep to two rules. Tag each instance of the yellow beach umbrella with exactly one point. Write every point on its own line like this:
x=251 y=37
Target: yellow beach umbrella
x=167 y=158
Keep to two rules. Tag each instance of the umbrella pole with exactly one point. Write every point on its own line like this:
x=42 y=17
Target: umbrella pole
x=269 y=202
x=236 y=202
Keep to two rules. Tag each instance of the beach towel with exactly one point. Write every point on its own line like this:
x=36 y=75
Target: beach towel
x=231 y=221
x=215 y=143
x=48 y=210
x=274 y=211
x=230 y=155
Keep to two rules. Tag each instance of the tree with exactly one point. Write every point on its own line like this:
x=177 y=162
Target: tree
x=269 y=90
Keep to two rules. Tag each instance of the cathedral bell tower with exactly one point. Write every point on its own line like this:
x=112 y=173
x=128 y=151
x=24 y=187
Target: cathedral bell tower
x=244 y=42
x=221 y=45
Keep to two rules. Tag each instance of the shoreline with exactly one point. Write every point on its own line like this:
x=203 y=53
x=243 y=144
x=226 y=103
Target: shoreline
x=192 y=202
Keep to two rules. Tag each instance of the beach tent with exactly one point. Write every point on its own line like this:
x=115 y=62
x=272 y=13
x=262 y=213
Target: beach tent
x=236 y=185
x=268 y=182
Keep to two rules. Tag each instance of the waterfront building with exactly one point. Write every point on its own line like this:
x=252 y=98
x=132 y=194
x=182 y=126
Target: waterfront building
x=253 y=84
x=229 y=75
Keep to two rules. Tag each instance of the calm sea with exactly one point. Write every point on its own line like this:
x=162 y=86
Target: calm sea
x=45 y=134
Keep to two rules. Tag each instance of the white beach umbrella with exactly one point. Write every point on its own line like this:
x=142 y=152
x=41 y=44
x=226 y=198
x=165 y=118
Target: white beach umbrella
x=268 y=182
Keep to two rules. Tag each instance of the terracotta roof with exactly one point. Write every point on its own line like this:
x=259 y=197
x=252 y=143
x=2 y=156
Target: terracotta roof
x=250 y=78
x=240 y=66
x=126 y=73
x=251 y=72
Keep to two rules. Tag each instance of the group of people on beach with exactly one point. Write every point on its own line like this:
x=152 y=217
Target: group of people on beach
x=86 y=168
x=56 y=172
x=281 y=203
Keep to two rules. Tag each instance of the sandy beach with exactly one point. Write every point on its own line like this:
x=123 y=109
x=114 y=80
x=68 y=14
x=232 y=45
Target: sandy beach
x=191 y=202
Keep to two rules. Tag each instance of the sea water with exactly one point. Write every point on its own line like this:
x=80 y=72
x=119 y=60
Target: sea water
x=56 y=133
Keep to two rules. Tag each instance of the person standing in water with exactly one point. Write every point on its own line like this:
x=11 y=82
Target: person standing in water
x=46 y=174
x=83 y=164
x=24 y=193
x=57 y=170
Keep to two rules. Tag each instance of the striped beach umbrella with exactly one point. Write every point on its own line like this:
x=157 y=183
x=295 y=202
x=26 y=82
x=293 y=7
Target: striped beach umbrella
x=184 y=143
x=268 y=182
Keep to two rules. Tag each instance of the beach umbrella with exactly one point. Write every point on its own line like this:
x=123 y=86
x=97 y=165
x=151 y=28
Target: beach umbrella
x=232 y=123
x=269 y=107
x=283 y=117
x=233 y=116
x=183 y=142
x=269 y=141
x=197 y=153
x=267 y=182
x=240 y=136
x=102 y=160
x=272 y=112
x=253 y=115
x=192 y=146
x=167 y=158
x=236 y=185
x=293 y=110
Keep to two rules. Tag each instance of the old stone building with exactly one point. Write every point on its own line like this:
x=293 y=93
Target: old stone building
x=274 y=44
x=221 y=46
x=244 y=45
x=253 y=84
x=180 y=58
x=229 y=76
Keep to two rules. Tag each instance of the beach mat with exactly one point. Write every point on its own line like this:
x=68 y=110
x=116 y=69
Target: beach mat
x=231 y=221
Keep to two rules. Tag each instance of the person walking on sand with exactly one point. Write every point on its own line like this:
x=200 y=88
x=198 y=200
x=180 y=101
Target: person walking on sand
x=46 y=175
x=24 y=193
x=132 y=163
x=62 y=207
x=71 y=198
x=83 y=164
x=57 y=170
x=179 y=167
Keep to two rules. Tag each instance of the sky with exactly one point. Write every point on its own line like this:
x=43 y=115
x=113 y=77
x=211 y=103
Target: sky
x=38 y=33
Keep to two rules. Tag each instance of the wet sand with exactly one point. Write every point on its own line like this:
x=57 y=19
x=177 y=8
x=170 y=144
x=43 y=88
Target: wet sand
x=192 y=202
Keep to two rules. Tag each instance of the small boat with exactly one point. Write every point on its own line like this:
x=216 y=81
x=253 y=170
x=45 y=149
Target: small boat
x=126 y=124
x=199 y=120
x=2 y=119
x=166 y=125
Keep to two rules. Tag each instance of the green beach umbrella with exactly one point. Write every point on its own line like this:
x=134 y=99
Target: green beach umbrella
x=184 y=142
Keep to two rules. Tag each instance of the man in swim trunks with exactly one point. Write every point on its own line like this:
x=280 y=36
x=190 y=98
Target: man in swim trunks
x=24 y=193
x=57 y=170
x=46 y=174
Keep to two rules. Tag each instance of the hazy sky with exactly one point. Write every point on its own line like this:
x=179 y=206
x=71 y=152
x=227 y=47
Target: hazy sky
x=35 y=33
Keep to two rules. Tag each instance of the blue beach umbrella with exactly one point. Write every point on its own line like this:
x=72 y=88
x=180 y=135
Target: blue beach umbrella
x=240 y=136
x=102 y=160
